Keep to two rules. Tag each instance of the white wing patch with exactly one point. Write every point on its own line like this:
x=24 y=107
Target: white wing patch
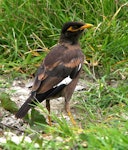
x=79 y=67
x=67 y=80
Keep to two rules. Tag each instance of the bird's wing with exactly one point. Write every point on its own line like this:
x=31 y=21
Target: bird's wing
x=59 y=67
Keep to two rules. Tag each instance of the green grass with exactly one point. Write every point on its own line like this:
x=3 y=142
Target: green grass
x=28 y=28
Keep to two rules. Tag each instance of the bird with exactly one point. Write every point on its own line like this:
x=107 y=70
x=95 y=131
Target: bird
x=59 y=72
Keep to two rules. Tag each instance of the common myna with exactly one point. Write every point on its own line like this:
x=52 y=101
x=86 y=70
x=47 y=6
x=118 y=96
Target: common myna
x=59 y=72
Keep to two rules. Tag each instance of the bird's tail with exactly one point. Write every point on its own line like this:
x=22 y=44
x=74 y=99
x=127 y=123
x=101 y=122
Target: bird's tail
x=31 y=101
x=25 y=107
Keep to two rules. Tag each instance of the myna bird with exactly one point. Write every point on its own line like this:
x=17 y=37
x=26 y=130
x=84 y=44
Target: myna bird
x=59 y=72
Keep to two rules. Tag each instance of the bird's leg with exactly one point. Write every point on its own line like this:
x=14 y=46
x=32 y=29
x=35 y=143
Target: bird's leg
x=48 y=108
x=67 y=108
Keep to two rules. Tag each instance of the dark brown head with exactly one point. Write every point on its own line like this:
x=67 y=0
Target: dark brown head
x=71 y=31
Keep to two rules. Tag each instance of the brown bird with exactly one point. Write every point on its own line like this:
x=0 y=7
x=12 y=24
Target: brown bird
x=59 y=72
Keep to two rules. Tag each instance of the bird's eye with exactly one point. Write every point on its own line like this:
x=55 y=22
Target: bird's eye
x=75 y=27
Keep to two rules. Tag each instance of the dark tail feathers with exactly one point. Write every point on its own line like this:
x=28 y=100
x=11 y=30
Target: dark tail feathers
x=39 y=98
x=25 y=107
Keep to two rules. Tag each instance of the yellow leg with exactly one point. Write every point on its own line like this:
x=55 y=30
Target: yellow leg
x=49 y=120
x=71 y=118
x=67 y=108
x=48 y=108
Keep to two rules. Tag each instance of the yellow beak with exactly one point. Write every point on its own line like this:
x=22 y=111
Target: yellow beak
x=86 y=26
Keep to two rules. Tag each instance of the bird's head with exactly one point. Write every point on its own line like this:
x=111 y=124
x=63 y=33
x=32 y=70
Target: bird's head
x=71 y=31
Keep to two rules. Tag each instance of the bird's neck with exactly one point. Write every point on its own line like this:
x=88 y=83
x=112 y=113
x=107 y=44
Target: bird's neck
x=72 y=42
x=69 y=45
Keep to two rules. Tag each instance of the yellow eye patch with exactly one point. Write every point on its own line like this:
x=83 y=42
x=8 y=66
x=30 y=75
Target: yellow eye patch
x=72 y=30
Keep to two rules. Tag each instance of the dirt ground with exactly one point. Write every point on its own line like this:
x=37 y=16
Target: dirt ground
x=19 y=91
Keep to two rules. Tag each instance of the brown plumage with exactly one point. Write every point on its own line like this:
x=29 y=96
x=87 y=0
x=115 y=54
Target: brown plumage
x=59 y=72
